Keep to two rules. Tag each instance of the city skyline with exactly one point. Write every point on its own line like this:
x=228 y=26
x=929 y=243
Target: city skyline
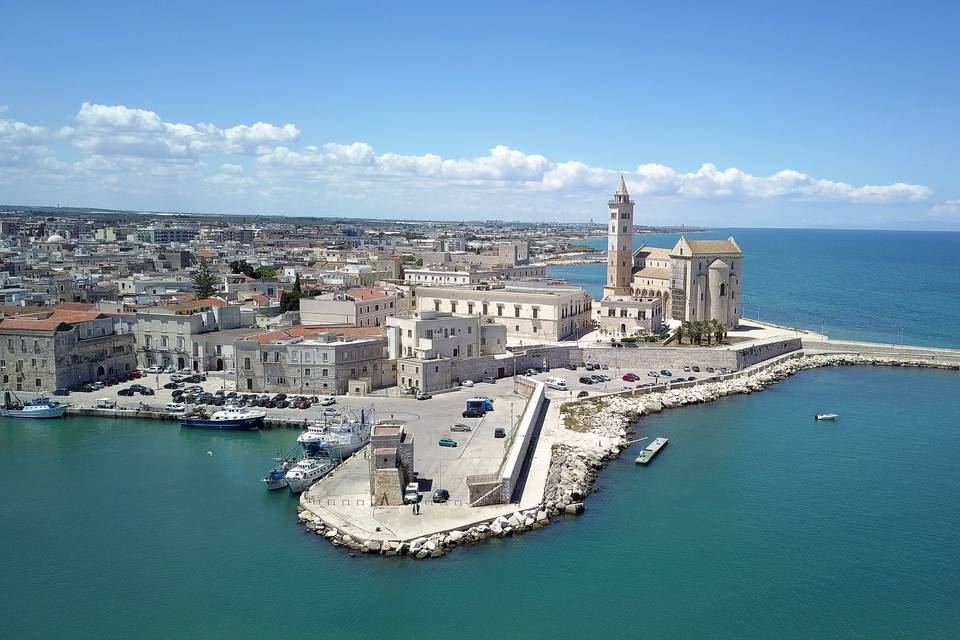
x=786 y=119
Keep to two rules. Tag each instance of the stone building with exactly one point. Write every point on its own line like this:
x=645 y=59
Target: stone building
x=312 y=360
x=705 y=280
x=391 y=465
x=63 y=350
x=430 y=347
x=696 y=280
x=357 y=307
x=183 y=334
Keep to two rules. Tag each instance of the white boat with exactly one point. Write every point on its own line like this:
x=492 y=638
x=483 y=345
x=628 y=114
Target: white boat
x=338 y=441
x=827 y=416
x=306 y=472
x=39 y=408
x=227 y=419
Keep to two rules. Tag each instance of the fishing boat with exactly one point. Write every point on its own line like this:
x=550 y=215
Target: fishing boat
x=338 y=440
x=827 y=416
x=306 y=472
x=41 y=407
x=227 y=419
x=277 y=479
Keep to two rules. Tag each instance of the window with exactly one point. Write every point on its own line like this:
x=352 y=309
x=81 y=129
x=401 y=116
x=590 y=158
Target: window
x=484 y=308
x=516 y=311
x=324 y=372
x=499 y=309
x=281 y=381
x=306 y=372
x=536 y=312
x=246 y=364
x=723 y=289
x=38 y=382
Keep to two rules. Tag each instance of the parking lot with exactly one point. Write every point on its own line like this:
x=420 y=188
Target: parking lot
x=616 y=382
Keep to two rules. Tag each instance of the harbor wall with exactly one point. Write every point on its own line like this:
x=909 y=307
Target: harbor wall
x=523 y=434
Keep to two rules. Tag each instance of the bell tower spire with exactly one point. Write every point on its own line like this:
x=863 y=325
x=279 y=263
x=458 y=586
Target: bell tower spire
x=620 y=243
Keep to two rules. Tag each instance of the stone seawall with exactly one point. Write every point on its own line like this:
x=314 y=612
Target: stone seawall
x=573 y=467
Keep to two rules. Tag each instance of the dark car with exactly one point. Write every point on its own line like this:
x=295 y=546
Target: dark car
x=629 y=377
x=583 y=394
x=473 y=413
x=665 y=373
x=61 y=392
x=586 y=380
x=571 y=367
x=696 y=368
x=441 y=495
x=173 y=385
x=499 y=432
x=589 y=367
x=125 y=392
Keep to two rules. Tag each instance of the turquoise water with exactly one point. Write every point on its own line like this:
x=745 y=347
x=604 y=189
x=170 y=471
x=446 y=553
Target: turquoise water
x=856 y=285
x=755 y=522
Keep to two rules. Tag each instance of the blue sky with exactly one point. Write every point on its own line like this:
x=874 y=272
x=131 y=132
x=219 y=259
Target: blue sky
x=749 y=114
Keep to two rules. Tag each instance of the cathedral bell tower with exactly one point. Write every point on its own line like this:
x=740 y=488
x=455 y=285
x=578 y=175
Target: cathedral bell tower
x=620 y=243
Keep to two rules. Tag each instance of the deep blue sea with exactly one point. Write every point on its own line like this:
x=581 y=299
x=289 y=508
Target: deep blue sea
x=755 y=523
x=856 y=285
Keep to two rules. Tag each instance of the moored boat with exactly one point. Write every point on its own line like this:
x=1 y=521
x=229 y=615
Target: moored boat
x=277 y=478
x=338 y=441
x=227 y=419
x=41 y=407
x=306 y=472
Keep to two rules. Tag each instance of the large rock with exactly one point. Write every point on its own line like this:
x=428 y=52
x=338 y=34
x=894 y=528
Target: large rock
x=373 y=546
x=496 y=528
x=455 y=537
x=574 y=508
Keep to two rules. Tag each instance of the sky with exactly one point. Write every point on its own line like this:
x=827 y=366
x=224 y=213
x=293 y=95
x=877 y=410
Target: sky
x=718 y=114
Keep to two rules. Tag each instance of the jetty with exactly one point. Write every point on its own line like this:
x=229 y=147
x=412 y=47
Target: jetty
x=651 y=450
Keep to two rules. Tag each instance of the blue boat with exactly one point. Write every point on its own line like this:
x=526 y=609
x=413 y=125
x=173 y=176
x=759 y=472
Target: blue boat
x=227 y=419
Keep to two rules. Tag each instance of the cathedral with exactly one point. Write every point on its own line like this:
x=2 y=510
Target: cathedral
x=696 y=280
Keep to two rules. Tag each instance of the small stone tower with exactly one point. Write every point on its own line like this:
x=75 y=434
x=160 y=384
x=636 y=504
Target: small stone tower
x=620 y=244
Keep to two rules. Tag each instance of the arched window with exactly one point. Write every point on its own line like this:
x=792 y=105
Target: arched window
x=723 y=289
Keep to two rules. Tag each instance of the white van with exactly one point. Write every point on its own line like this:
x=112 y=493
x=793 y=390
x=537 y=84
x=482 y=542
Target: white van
x=175 y=407
x=106 y=403
x=556 y=383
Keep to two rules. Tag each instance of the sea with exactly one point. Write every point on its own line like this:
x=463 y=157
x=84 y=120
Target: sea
x=878 y=286
x=755 y=522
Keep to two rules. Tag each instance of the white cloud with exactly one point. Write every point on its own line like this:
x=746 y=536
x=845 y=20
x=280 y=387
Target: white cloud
x=947 y=209
x=137 y=150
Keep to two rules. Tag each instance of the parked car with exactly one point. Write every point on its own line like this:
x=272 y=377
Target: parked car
x=423 y=395
x=710 y=369
x=466 y=383
x=723 y=371
x=629 y=377
x=441 y=495
x=583 y=394
x=154 y=369
x=691 y=378
x=695 y=368
x=488 y=380
x=169 y=369
x=653 y=374
x=147 y=391
x=326 y=402
x=665 y=373
x=604 y=367
x=499 y=432
x=459 y=426
x=106 y=403
x=589 y=367
x=125 y=392
x=586 y=380
x=447 y=442
x=175 y=407
x=61 y=392
x=473 y=413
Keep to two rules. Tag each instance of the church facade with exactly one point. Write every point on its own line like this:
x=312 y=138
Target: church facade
x=697 y=280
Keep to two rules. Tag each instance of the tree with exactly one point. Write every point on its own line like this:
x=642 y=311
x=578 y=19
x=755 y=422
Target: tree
x=719 y=331
x=296 y=286
x=419 y=262
x=264 y=272
x=290 y=300
x=204 y=282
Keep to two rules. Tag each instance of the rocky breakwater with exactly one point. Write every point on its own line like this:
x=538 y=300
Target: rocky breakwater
x=574 y=464
x=435 y=545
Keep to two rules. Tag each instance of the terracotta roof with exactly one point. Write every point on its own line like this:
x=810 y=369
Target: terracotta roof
x=654 y=273
x=196 y=304
x=203 y=253
x=366 y=294
x=76 y=316
x=34 y=324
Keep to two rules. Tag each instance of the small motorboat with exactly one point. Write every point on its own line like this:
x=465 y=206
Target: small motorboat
x=827 y=416
x=277 y=479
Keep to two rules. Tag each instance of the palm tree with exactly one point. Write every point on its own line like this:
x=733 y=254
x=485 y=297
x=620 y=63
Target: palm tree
x=684 y=331
x=719 y=330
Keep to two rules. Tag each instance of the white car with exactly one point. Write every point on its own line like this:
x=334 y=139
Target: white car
x=106 y=403
x=467 y=383
x=154 y=369
x=175 y=407
x=326 y=402
x=412 y=493
x=170 y=369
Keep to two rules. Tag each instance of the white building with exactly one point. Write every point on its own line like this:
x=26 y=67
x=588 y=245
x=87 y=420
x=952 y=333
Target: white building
x=530 y=312
x=356 y=307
